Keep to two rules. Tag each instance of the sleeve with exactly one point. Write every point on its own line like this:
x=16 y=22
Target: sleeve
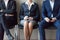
x=58 y=16
x=44 y=12
x=21 y=13
x=37 y=17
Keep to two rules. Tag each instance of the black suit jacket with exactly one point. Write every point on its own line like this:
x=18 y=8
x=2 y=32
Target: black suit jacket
x=11 y=9
x=33 y=12
x=47 y=10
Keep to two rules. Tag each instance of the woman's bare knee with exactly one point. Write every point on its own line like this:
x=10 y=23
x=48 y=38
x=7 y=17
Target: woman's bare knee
x=30 y=23
x=26 y=22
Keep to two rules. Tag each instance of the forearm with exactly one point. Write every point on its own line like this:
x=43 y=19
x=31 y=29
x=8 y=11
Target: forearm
x=58 y=16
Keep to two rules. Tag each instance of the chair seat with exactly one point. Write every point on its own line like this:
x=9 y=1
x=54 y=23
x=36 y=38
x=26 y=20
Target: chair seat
x=35 y=27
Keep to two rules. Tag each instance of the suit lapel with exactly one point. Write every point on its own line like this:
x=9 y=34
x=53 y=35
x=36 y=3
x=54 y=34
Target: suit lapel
x=48 y=5
x=54 y=5
x=32 y=7
x=8 y=4
x=3 y=4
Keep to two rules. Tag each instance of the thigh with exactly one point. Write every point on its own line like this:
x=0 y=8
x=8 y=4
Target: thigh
x=33 y=22
x=57 y=24
x=22 y=22
x=43 y=23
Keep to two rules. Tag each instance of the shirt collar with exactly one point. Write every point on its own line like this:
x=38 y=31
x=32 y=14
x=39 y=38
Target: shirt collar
x=27 y=3
x=51 y=1
x=6 y=1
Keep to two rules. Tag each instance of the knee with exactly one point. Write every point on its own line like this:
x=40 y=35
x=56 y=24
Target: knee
x=57 y=25
x=25 y=22
x=40 y=25
x=30 y=24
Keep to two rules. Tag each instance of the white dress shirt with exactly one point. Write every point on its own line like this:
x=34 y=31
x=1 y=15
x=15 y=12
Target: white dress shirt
x=6 y=3
x=52 y=6
x=29 y=6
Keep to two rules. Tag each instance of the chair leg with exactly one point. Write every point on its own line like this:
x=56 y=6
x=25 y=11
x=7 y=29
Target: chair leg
x=16 y=32
x=38 y=35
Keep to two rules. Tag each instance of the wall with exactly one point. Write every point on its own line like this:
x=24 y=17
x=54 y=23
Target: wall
x=50 y=34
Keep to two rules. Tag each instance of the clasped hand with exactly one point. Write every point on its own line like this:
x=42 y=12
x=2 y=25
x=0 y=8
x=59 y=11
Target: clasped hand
x=1 y=10
x=28 y=18
x=48 y=20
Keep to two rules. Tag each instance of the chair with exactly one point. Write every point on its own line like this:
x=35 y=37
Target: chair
x=21 y=27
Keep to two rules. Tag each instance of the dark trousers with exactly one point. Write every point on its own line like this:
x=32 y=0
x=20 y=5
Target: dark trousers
x=44 y=24
x=1 y=32
x=3 y=28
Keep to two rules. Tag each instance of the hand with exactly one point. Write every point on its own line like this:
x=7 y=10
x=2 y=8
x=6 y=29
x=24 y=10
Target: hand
x=9 y=15
x=30 y=18
x=47 y=19
x=26 y=18
x=53 y=19
x=1 y=10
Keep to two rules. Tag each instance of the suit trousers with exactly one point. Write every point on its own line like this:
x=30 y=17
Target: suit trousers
x=3 y=27
x=44 y=24
x=1 y=32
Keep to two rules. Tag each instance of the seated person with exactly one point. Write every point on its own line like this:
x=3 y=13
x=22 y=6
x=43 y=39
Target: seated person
x=29 y=16
x=50 y=17
x=8 y=9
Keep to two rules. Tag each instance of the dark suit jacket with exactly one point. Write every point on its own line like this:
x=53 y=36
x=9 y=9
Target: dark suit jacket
x=47 y=11
x=11 y=9
x=33 y=12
